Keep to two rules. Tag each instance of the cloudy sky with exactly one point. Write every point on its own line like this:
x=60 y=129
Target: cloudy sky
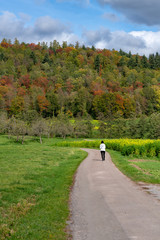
x=126 y=24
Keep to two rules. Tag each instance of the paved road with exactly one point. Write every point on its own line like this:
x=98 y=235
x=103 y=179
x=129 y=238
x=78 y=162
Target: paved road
x=106 y=205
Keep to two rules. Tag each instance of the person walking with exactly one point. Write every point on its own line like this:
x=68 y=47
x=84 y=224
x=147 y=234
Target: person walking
x=102 y=149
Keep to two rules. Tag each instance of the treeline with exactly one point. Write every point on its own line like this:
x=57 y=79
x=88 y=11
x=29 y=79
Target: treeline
x=145 y=127
x=61 y=126
x=40 y=127
x=77 y=80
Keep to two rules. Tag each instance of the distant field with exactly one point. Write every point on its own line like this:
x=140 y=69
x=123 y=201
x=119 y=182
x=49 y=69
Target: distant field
x=35 y=181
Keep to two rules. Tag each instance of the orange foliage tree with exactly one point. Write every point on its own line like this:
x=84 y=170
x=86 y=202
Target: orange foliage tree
x=42 y=102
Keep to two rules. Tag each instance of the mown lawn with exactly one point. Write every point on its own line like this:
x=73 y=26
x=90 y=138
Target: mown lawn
x=35 y=181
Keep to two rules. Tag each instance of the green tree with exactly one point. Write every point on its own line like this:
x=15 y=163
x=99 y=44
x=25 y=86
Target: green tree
x=144 y=61
x=97 y=63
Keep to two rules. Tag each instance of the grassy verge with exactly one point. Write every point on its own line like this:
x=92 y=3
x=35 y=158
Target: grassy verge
x=35 y=183
x=138 y=169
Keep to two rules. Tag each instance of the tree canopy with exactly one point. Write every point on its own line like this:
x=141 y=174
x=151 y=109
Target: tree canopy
x=77 y=80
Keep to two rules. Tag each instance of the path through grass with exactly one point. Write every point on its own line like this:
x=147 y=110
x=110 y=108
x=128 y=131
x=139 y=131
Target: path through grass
x=142 y=164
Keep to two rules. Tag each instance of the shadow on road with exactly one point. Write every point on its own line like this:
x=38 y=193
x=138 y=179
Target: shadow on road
x=97 y=160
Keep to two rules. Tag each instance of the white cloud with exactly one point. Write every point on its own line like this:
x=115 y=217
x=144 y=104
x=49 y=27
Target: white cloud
x=103 y=38
x=141 y=42
x=44 y=29
x=10 y=24
x=151 y=40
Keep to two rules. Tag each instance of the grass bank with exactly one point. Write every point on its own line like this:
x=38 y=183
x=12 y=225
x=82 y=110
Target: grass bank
x=35 y=182
x=140 y=169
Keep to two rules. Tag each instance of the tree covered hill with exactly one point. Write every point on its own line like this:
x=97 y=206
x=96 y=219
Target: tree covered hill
x=79 y=80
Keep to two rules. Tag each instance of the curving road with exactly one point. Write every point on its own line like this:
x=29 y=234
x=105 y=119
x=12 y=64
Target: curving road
x=106 y=205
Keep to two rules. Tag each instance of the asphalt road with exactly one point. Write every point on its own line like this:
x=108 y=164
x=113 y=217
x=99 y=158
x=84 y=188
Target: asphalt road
x=106 y=205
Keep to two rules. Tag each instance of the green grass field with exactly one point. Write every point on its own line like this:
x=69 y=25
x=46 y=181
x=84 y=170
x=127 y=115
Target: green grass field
x=35 y=181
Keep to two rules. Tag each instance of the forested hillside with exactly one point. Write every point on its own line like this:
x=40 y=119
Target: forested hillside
x=80 y=81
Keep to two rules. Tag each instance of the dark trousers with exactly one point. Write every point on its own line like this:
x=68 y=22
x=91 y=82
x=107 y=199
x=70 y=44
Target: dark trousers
x=103 y=155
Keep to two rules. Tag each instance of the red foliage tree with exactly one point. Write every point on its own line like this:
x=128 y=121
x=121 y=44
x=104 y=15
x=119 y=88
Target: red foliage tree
x=25 y=81
x=42 y=102
x=21 y=91
x=41 y=82
x=5 y=80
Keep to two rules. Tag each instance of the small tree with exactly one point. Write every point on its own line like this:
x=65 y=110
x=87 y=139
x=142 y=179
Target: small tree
x=82 y=128
x=39 y=128
x=51 y=126
x=17 y=128
x=62 y=126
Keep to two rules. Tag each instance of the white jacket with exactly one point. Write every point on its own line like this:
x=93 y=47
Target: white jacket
x=102 y=147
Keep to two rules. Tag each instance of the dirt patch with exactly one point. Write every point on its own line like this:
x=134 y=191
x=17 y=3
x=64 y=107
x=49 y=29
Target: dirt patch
x=140 y=160
x=140 y=169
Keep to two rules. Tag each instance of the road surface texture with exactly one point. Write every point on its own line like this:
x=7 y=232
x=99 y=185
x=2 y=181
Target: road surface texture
x=106 y=205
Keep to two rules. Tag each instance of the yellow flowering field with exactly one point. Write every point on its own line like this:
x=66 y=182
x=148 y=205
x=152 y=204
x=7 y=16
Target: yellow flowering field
x=138 y=147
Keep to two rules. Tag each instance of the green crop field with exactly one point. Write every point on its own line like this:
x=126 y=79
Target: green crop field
x=35 y=181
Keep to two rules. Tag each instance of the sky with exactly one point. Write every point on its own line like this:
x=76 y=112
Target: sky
x=112 y=24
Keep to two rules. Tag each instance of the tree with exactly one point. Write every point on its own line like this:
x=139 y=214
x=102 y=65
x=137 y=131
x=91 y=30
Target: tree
x=33 y=57
x=42 y=103
x=97 y=63
x=25 y=81
x=17 y=128
x=17 y=105
x=46 y=58
x=39 y=128
x=82 y=128
x=105 y=104
x=152 y=61
x=157 y=61
x=51 y=127
x=144 y=61
x=63 y=126
x=64 y=44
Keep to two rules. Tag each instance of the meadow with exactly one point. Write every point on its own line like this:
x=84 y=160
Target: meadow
x=35 y=182
x=36 y=179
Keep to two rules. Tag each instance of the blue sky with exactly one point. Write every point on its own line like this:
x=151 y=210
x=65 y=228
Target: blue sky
x=126 y=24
